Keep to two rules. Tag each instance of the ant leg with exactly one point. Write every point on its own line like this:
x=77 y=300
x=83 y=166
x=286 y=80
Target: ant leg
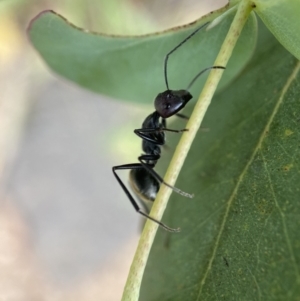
x=174 y=131
x=182 y=116
x=143 y=133
x=156 y=130
x=164 y=124
x=187 y=118
x=157 y=176
x=132 y=200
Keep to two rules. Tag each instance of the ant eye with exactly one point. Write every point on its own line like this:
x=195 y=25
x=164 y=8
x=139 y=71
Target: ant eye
x=167 y=106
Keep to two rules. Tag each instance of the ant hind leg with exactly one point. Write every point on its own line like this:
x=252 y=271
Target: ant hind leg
x=132 y=200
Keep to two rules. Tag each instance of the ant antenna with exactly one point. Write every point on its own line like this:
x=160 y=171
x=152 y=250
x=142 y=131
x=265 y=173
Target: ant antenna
x=200 y=73
x=174 y=49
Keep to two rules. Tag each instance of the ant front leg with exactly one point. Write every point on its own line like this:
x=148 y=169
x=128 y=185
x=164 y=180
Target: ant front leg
x=187 y=118
x=164 y=124
x=182 y=116
x=136 y=166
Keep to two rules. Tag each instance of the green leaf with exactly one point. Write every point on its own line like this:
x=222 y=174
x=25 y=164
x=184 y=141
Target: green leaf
x=240 y=234
x=132 y=67
x=282 y=17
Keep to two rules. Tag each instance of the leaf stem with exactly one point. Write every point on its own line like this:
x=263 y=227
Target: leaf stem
x=132 y=287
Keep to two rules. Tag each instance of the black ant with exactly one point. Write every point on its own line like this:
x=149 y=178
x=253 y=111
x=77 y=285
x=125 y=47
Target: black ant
x=143 y=179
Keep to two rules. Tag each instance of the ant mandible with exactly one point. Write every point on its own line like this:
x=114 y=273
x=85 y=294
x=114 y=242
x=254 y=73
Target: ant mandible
x=143 y=179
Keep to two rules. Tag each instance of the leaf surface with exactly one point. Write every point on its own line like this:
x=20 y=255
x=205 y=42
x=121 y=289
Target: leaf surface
x=282 y=17
x=240 y=234
x=131 y=68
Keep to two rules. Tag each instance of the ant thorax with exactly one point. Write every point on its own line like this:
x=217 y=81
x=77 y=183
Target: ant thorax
x=152 y=141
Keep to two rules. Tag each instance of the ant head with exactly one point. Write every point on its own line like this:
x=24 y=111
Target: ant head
x=170 y=102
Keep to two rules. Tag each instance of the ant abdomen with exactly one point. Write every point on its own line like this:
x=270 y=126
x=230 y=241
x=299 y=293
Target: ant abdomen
x=144 y=185
x=170 y=102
